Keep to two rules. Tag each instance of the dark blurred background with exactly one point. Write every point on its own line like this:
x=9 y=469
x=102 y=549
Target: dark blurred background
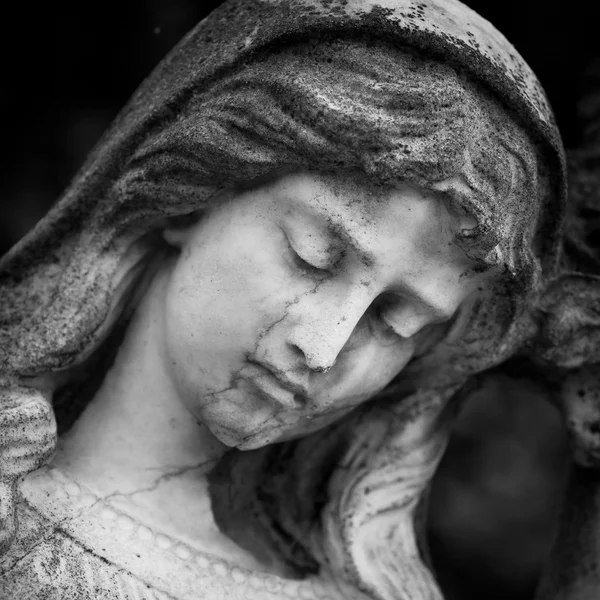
x=68 y=69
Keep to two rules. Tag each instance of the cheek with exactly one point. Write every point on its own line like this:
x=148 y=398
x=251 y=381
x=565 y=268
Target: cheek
x=378 y=363
x=368 y=377
x=222 y=295
x=202 y=310
x=209 y=321
x=216 y=289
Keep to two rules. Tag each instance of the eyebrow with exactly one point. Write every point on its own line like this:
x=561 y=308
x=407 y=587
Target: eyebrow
x=339 y=232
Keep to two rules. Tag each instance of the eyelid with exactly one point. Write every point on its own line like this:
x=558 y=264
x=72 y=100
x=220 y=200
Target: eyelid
x=309 y=262
x=385 y=306
x=417 y=316
x=398 y=330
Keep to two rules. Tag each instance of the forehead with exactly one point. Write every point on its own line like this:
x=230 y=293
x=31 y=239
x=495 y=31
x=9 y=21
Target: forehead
x=351 y=201
x=373 y=217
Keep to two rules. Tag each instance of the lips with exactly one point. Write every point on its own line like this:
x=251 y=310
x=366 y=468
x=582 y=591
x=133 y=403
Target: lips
x=277 y=386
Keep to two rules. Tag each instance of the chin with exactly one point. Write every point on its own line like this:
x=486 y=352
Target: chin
x=260 y=440
x=277 y=435
x=243 y=439
x=266 y=437
x=271 y=431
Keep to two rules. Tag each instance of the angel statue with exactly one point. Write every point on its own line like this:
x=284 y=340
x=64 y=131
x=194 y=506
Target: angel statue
x=232 y=352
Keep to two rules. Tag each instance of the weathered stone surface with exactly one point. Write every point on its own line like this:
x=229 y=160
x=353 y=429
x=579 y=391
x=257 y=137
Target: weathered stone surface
x=305 y=202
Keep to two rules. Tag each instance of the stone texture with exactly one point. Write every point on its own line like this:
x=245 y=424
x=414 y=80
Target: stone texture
x=425 y=93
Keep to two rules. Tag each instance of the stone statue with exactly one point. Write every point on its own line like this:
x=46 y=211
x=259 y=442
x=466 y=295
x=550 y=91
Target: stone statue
x=250 y=316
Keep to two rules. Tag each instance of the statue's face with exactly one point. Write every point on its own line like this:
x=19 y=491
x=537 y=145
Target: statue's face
x=292 y=303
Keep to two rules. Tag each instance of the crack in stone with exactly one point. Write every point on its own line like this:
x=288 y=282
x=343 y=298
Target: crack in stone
x=268 y=328
x=233 y=381
x=164 y=477
x=287 y=307
x=58 y=526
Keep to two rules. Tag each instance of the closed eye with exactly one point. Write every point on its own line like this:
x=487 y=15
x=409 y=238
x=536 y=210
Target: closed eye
x=382 y=309
x=401 y=317
x=404 y=332
x=307 y=267
x=305 y=264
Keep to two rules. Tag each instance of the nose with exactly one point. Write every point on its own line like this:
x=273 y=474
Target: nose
x=320 y=331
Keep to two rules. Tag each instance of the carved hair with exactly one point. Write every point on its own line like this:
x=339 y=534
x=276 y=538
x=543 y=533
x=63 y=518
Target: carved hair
x=329 y=105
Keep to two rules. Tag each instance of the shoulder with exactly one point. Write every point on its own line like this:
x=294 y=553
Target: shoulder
x=45 y=562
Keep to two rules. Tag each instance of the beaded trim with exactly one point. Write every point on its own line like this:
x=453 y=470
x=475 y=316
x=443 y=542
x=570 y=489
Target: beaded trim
x=77 y=503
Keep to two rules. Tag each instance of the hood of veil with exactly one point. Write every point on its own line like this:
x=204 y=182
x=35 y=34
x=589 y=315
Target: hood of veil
x=57 y=285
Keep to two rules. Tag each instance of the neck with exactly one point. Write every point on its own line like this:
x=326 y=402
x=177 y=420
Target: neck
x=135 y=429
x=138 y=446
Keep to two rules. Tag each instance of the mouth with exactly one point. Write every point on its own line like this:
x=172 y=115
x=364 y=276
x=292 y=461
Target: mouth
x=277 y=387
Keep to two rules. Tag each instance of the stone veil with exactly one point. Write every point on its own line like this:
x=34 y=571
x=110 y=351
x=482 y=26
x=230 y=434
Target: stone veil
x=338 y=508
